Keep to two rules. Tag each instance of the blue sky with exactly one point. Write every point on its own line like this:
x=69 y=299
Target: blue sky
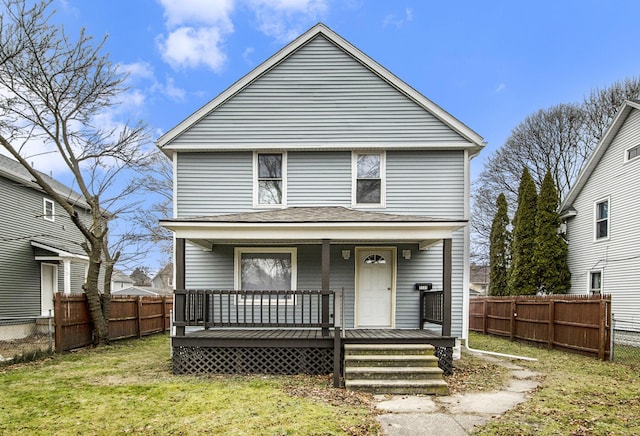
x=489 y=64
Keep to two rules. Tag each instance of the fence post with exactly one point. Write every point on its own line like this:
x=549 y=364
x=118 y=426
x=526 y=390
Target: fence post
x=612 y=337
x=552 y=323
x=164 y=313
x=603 y=330
x=57 y=312
x=139 y=315
x=485 y=321
x=512 y=326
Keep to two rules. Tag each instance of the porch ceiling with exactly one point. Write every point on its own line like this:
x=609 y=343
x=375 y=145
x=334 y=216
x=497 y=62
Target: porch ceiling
x=312 y=225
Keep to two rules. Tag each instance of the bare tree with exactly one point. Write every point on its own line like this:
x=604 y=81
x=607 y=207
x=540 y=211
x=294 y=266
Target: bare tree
x=56 y=90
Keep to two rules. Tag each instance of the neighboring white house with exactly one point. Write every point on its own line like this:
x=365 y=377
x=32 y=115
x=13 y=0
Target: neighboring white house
x=120 y=280
x=602 y=214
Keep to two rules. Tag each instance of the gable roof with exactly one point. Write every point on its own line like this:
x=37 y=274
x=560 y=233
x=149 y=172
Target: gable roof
x=591 y=164
x=13 y=170
x=472 y=139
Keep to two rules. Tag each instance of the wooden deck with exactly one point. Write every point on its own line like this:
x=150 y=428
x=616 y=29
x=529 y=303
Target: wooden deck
x=307 y=337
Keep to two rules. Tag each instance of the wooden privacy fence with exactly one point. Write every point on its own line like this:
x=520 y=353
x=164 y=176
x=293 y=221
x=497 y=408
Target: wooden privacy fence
x=130 y=317
x=580 y=324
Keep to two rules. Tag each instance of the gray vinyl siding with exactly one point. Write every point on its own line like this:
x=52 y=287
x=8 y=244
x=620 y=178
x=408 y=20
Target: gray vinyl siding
x=619 y=256
x=21 y=211
x=319 y=178
x=214 y=183
x=429 y=183
x=320 y=94
x=215 y=270
x=418 y=182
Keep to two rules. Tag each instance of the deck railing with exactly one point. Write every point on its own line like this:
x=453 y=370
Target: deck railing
x=275 y=309
x=431 y=307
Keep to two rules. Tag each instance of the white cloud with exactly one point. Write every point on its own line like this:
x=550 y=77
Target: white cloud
x=398 y=21
x=173 y=91
x=246 y=55
x=207 y=12
x=190 y=47
x=286 y=19
x=136 y=70
x=197 y=30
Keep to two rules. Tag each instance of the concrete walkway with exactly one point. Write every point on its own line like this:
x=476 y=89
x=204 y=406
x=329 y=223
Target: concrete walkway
x=454 y=415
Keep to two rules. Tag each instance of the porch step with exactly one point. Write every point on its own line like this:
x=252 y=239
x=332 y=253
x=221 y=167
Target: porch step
x=394 y=373
x=397 y=387
x=393 y=369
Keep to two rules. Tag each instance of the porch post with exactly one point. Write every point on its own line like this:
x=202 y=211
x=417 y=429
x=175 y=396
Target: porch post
x=179 y=299
x=326 y=271
x=446 y=287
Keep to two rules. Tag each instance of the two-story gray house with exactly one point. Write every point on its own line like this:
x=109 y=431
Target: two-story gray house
x=40 y=251
x=602 y=212
x=318 y=191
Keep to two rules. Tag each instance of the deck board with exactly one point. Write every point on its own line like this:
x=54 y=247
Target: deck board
x=308 y=337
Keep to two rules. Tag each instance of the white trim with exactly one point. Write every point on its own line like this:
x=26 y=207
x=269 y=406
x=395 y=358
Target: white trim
x=237 y=265
x=282 y=204
x=60 y=253
x=54 y=284
x=174 y=160
x=346 y=231
x=324 y=146
x=51 y=218
x=394 y=269
x=383 y=179
x=606 y=199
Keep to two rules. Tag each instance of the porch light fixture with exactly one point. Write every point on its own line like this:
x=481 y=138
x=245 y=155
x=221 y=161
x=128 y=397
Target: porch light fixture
x=346 y=254
x=406 y=254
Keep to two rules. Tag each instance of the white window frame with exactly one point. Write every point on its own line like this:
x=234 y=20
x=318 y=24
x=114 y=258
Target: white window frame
x=47 y=217
x=237 y=279
x=626 y=153
x=354 y=179
x=595 y=219
x=256 y=184
x=590 y=290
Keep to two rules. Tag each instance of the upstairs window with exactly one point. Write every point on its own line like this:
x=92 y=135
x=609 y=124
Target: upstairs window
x=633 y=153
x=270 y=183
x=602 y=219
x=49 y=210
x=595 y=282
x=369 y=179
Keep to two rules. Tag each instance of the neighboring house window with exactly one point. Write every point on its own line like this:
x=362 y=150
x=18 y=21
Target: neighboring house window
x=266 y=269
x=595 y=282
x=633 y=153
x=49 y=210
x=602 y=219
x=368 y=179
x=269 y=179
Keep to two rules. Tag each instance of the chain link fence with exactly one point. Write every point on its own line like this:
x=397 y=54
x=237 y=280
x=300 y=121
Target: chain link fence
x=625 y=342
x=25 y=338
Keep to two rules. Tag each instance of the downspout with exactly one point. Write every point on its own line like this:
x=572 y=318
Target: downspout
x=493 y=353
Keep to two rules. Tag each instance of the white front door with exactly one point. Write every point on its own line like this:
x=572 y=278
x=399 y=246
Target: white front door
x=48 y=285
x=374 y=287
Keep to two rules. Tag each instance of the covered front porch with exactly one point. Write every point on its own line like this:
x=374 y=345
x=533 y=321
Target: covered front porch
x=370 y=288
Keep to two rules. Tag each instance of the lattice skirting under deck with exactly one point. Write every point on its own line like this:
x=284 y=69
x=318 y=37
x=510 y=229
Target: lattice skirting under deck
x=205 y=360
x=445 y=359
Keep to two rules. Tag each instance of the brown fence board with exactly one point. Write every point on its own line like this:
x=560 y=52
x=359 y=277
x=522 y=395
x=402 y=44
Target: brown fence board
x=579 y=324
x=129 y=317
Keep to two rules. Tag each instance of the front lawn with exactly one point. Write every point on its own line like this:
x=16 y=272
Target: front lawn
x=128 y=388
x=578 y=395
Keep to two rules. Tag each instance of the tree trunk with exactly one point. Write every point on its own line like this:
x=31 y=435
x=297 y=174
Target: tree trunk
x=100 y=323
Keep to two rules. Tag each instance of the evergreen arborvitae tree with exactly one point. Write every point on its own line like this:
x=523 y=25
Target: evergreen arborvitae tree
x=522 y=273
x=550 y=253
x=500 y=240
